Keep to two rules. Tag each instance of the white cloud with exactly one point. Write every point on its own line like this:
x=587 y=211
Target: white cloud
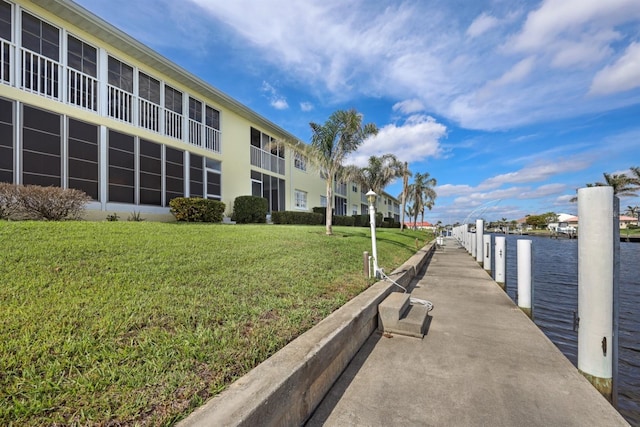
x=622 y=75
x=417 y=139
x=306 y=106
x=276 y=100
x=409 y=106
x=482 y=24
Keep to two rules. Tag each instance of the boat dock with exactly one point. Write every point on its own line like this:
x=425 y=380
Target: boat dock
x=482 y=362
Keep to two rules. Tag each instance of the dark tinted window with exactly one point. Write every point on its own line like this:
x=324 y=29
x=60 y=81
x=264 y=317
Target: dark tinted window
x=5 y=20
x=150 y=173
x=6 y=141
x=83 y=157
x=174 y=174
x=40 y=37
x=195 y=175
x=41 y=162
x=121 y=167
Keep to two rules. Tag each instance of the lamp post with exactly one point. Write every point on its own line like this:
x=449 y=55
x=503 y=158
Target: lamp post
x=371 y=198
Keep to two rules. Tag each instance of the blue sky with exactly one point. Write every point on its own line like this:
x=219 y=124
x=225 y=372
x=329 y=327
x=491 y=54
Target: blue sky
x=510 y=104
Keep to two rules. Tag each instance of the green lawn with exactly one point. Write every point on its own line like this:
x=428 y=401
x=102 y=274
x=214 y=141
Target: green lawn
x=140 y=322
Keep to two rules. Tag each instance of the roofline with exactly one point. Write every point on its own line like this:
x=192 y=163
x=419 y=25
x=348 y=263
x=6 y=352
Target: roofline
x=107 y=33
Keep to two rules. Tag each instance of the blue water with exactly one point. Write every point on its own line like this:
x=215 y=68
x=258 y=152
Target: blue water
x=555 y=299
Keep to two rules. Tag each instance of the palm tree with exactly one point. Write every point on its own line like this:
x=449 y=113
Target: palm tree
x=421 y=193
x=635 y=176
x=633 y=211
x=377 y=174
x=621 y=183
x=406 y=173
x=330 y=144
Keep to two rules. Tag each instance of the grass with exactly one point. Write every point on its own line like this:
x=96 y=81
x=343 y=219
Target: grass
x=138 y=323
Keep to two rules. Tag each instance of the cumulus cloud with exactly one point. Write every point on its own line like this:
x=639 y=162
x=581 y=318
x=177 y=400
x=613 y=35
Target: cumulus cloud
x=417 y=139
x=276 y=100
x=622 y=75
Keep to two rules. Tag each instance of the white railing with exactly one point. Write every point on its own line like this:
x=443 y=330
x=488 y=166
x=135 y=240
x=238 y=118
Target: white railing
x=40 y=75
x=82 y=90
x=212 y=139
x=6 y=56
x=173 y=124
x=148 y=115
x=120 y=104
x=266 y=160
x=44 y=76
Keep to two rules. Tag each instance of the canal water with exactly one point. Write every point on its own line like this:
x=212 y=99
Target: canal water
x=555 y=298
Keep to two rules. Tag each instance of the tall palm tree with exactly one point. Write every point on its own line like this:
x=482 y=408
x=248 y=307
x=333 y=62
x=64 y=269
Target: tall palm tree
x=421 y=193
x=406 y=173
x=331 y=143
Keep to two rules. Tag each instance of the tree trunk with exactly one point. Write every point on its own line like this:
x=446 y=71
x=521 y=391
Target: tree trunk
x=329 y=210
x=405 y=178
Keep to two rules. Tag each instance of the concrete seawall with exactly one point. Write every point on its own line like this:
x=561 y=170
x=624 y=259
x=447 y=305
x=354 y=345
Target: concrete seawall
x=286 y=388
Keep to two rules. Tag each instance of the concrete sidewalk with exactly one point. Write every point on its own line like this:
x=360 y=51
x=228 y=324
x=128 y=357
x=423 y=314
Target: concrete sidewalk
x=482 y=363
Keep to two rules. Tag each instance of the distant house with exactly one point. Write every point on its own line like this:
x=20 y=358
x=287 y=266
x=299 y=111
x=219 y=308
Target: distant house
x=626 y=221
x=419 y=225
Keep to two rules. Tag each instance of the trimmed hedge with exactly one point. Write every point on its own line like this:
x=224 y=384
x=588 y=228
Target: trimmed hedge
x=349 y=221
x=250 y=210
x=197 y=209
x=302 y=218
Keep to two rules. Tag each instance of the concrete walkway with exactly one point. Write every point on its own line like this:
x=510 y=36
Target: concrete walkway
x=482 y=363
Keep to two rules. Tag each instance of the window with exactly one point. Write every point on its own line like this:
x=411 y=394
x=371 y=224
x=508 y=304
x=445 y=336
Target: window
x=354 y=209
x=6 y=141
x=5 y=47
x=195 y=120
x=83 y=157
x=212 y=117
x=214 y=178
x=301 y=199
x=273 y=189
x=300 y=162
x=40 y=62
x=173 y=112
x=120 y=90
x=83 y=86
x=121 y=167
x=340 y=206
x=354 y=187
x=41 y=148
x=150 y=173
x=196 y=189
x=323 y=201
x=174 y=174
x=149 y=110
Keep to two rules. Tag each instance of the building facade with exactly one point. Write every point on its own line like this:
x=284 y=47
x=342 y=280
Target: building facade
x=85 y=106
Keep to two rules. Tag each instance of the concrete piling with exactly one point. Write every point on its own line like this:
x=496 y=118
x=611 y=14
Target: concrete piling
x=524 y=276
x=501 y=261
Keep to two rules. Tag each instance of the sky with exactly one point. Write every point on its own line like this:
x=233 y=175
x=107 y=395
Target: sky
x=511 y=105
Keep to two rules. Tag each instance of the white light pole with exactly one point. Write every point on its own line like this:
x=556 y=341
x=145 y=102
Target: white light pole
x=371 y=198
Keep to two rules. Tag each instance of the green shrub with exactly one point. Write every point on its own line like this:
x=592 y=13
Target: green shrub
x=137 y=217
x=113 y=217
x=197 y=209
x=388 y=222
x=250 y=210
x=301 y=218
x=343 y=220
x=41 y=203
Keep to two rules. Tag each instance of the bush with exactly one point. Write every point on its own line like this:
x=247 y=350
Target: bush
x=9 y=205
x=41 y=203
x=301 y=218
x=250 y=210
x=388 y=222
x=197 y=209
x=343 y=220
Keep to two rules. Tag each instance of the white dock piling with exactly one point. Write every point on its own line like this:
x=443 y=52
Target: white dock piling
x=479 y=240
x=500 y=261
x=486 y=251
x=524 y=276
x=597 y=270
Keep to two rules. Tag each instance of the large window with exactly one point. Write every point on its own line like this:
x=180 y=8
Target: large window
x=273 y=189
x=196 y=187
x=214 y=179
x=5 y=47
x=301 y=199
x=149 y=111
x=41 y=70
x=121 y=167
x=195 y=121
x=120 y=90
x=173 y=112
x=83 y=157
x=83 y=86
x=6 y=141
x=174 y=174
x=300 y=162
x=41 y=142
x=340 y=207
x=150 y=173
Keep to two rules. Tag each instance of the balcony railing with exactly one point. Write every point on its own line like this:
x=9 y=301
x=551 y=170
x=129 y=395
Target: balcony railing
x=265 y=160
x=46 y=77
